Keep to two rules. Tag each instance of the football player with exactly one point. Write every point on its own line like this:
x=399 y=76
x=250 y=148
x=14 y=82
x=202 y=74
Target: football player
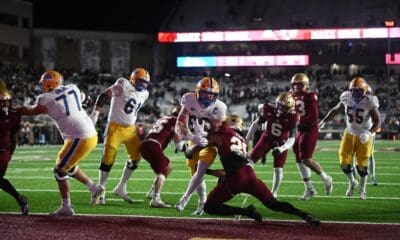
x=306 y=104
x=281 y=128
x=10 y=121
x=127 y=97
x=201 y=106
x=362 y=121
x=240 y=177
x=62 y=103
x=158 y=138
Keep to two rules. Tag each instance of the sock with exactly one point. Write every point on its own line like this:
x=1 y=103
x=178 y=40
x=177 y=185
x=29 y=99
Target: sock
x=103 y=176
x=277 y=179
x=201 y=191
x=9 y=188
x=363 y=185
x=90 y=184
x=66 y=202
x=126 y=174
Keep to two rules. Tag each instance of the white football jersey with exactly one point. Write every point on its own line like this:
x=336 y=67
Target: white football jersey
x=358 y=119
x=125 y=102
x=64 y=107
x=216 y=111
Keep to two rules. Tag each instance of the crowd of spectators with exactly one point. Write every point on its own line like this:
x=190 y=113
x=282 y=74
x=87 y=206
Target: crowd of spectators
x=245 y=89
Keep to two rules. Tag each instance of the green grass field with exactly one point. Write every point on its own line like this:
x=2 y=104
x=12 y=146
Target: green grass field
x=31 y=172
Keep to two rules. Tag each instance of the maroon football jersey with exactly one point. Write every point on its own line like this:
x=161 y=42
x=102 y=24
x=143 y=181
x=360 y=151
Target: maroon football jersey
x=232 y=148
x=9 y=124
x=278 y=128
x=163 y=130
x=307 y=107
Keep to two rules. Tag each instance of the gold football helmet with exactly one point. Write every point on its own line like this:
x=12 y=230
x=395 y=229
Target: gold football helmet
x=358 y=88
x=176 y=110
x=4 y=93
x=51 y=80
x=300 y=82
x=284 y=103
x=234 y=121
x=140 y=78
x=207 y=90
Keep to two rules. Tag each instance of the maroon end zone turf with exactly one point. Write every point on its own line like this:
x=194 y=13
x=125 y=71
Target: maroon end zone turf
x=102 y=227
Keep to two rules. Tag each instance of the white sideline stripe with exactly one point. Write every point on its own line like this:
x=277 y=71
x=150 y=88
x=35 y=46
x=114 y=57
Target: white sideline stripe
x=180 y=193
x=10 y=176
x=206 y=218
x=380 y=163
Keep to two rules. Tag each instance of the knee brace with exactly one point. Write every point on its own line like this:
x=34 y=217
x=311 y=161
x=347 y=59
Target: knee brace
x=73 y=171
x=362 y=171
x=347 y=169
x=132 y=165
x=60 y=175
x=105 y=168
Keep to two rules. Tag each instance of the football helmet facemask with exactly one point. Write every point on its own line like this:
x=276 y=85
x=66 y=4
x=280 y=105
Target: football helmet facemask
x=51 y=80
x=300 y=82
x=284 y=103
x=140 y=79
x=207 y=90
x=234 y=121
x=358 y=88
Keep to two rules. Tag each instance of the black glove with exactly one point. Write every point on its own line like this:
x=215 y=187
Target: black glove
x=264 y=159
x=276 y=152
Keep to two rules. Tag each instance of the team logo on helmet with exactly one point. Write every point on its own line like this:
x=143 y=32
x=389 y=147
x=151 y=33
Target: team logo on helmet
x=284 y=103
x=207 y=90
x=300 y=82
x=140 y=78
x=51 y=80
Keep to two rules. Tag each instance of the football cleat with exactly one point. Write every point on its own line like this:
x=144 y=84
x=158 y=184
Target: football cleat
x=158 y=203
x=363 y=195
x=121 y=192
x=313 y=221
x=374 y=182
x=64 y=211
x=328 y=185
x=23 y=203
x=350 y=189
x=96 y=191
x=251 y=212
x=308 y=194
x=150 y=194
x=200 y=209
x=102 y=199
x=180 y=206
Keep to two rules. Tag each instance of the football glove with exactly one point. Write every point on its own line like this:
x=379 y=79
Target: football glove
x=277 y=151
x=199 y=140
x=199 y=128
x=364 y=137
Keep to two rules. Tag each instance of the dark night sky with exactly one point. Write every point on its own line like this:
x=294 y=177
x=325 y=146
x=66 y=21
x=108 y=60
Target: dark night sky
x=142 y=16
